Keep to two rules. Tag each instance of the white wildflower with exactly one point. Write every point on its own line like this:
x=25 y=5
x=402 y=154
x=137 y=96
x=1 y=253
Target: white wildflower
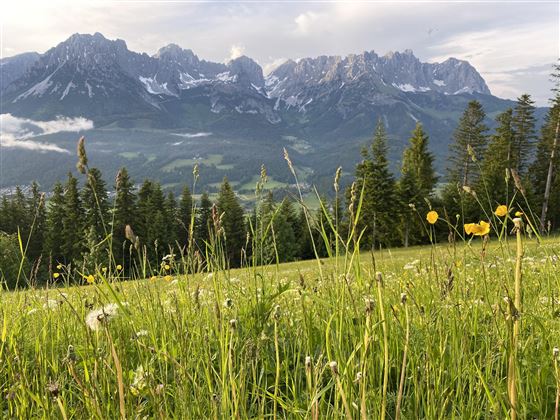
x=32 y=311
x=51 y=304
x=102 y=315
x=141 y=333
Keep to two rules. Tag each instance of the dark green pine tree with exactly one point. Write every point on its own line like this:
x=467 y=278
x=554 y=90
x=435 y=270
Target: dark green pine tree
x=124 y=214
x=95 y=203
x=203 y=220
x=145 y=213
x=171 y=220
x=379 y=206
x=21 y=218
x=417 y=183
x=418 y=160
x=54 y=241
x=6 y=215
x=265 y=249
x=497 y=162
x=284 y=231
x=184 y=217
x=73 y=233
x=469 y=140
x=233 y=223
x=38 y=215
x=523 y=124
x=152 y=219
x=409 y=196
x=305 y=243
x=545 y=170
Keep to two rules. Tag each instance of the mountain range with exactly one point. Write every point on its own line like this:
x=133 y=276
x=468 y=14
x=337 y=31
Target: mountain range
x=323 y=109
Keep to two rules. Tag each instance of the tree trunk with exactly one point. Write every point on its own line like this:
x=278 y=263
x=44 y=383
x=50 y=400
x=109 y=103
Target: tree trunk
x=549 y=177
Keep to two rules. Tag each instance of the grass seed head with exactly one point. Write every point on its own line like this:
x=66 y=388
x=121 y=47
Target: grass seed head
x=334 y=368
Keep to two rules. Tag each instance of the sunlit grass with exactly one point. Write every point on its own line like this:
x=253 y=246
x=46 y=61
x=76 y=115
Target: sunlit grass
x=235 y=343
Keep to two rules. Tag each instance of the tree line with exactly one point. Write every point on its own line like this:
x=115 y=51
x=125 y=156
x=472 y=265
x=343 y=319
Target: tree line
x=513 y=165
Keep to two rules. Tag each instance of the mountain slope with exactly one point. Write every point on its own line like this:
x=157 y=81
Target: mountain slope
x=322 y=109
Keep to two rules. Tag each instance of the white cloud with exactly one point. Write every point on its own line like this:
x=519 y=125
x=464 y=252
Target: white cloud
x=17 y=132
x=273 y=64
x=236 y=51
x=492 y=35
x=192 y=135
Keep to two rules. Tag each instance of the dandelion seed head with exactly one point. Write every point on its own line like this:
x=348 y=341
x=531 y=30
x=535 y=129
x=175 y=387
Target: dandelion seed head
x=95 y=319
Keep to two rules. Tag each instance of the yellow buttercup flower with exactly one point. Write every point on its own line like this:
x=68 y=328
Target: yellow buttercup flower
x=518 y=213
x=153 y=278
x=104 y=269
x=432 y=217
x=501 y=211
x=119 y=267
x=59 y=267
x=167 y=267
x=477 y=229
x=56 y=275
x=168 y=278
x=90 y=279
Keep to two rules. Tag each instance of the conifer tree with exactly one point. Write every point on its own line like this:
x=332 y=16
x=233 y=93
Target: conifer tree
x=203 y=220
x=379 y=198
x=184 y=216
x=498 y=161
x=305 y=244
x=95 y=203
x=418 y=160
x=545 y=170
x=73 y=222
x=37 y=216
x=469 y=140
x=54 y=241
x=5 y=215
x=145 y=212
x=233 y=222
x=417 y=183
x=20 y=215
x=171 y=220
x=523 y=124
x=124 y=214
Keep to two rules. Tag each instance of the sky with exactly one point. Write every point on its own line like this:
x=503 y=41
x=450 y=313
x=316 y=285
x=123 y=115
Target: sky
x=513 y=44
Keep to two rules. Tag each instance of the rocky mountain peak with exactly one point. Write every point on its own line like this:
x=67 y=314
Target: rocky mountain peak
x=246 y=69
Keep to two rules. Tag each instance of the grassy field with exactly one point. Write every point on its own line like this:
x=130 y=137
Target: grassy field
x=414 y=333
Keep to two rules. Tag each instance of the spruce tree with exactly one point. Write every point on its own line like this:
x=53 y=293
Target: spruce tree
x=203 y=220
x=95 y=203
x=145 y=213
x=379 y=199
x=54 y=241
x=21 y=218
x=523 y=124
x=469 y=140
x=5 y=215
x=284 y=231
x=37 y=214
x=418 y=160
x=498 y=161
x=125 y=213
x=544 y=172
x=233 y=223
x=73 y=223
x=184 y=216
x=171 y=220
